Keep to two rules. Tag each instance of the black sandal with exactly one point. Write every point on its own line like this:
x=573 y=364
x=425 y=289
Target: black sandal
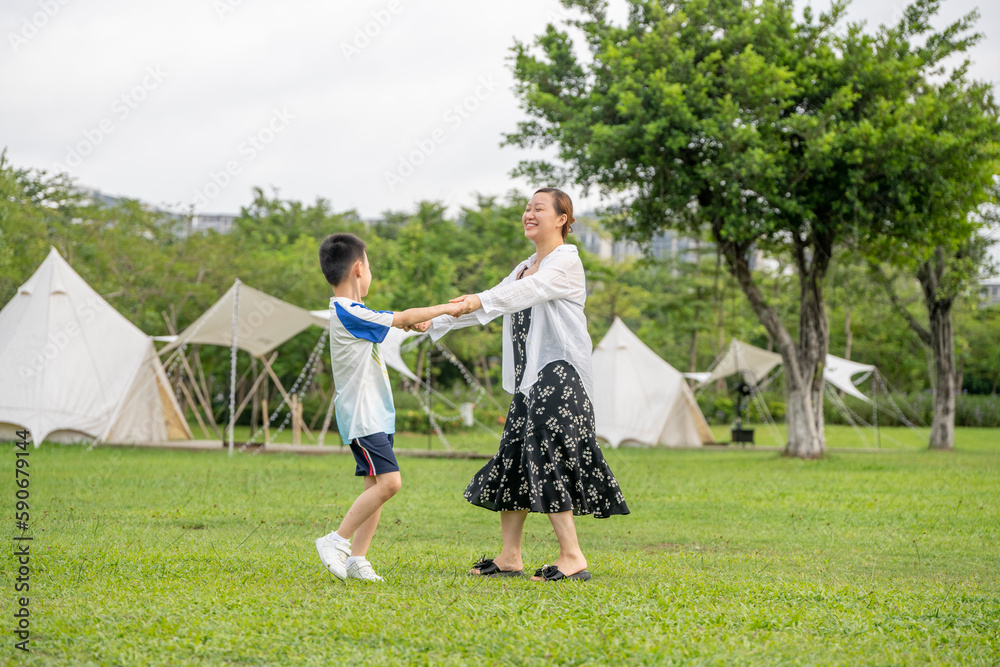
x=487 y=568
x=553 y=573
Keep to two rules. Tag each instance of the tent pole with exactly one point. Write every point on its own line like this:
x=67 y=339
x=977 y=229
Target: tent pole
x=267 y=424
x=296 y=420
x=255 y=405
x=329 y=417
x=204 y=383
x=265 y=391
x=232 y=365
x=197 y=391
x=253 y=390
x=194 y=408
x=878 y=434
x=284 y=393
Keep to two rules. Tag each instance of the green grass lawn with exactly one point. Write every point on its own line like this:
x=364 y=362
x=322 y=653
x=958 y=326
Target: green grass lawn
x=481 y=440
x=729 y=557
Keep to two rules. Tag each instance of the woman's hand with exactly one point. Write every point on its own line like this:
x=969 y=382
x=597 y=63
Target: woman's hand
x=465 y=304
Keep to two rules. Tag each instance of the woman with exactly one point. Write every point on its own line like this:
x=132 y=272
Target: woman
x=548 y=460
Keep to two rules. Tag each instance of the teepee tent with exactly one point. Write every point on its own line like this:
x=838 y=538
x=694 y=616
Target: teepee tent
x=75 y=369
x=640 y=398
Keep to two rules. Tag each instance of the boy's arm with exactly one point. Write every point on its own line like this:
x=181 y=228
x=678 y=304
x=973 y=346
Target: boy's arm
x=413 y=316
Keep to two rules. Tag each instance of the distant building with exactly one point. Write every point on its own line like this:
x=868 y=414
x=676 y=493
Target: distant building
x=989 y=292
x=98 y=198
x=598 y=241
x=218 y=222
x=183 y=224
x=667 y=245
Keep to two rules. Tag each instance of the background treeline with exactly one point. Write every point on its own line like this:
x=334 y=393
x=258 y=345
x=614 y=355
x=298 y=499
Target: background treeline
x=686 y=310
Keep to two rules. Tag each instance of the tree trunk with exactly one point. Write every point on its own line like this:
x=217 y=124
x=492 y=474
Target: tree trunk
x=814 y=339
x=484 y=365
x=803 y=373
x=941 y=339
x=693 y=348
x=418 y=370
x=943 y=345
x=804 y=440
x=848 y=334
x=720 y=317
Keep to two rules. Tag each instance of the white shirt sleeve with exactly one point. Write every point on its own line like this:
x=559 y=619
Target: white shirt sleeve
x=442 y=324
x=560 y=276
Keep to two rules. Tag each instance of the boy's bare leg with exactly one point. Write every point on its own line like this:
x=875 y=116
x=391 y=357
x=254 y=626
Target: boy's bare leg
x=369 y=503
x=364 y=534
x=511 y=530
x=571 y=558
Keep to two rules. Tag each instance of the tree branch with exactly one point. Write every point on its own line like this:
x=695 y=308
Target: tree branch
x=919 y=329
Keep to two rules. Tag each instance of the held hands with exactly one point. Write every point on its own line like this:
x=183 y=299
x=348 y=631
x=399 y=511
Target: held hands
x=419 y=326
x=465 y=304
x=457 y=307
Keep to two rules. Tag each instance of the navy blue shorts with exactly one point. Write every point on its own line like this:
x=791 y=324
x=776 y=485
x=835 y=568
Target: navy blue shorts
x=373 y=454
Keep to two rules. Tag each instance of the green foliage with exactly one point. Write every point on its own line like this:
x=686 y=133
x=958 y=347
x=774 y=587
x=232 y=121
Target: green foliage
x=978 y=350
x=729 y=557
x=971 y=410
x=686 y=311
x=800 y=138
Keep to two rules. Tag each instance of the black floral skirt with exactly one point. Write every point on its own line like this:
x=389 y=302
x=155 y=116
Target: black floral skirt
x=549 y=460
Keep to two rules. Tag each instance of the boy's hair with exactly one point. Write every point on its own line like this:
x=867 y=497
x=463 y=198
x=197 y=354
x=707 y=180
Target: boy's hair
x=337 y=255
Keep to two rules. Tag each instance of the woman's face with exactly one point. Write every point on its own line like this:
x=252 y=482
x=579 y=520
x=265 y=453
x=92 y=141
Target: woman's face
x=540 y=219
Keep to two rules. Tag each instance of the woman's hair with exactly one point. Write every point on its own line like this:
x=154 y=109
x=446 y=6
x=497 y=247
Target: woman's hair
x=564 y=206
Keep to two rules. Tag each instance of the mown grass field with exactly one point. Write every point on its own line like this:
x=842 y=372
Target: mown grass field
x=481 y=439
x=148 y=557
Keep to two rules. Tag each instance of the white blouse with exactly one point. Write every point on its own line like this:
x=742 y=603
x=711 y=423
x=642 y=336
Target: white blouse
x=556 y=295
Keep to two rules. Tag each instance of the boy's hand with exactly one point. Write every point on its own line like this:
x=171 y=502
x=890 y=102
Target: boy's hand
x=419 y=326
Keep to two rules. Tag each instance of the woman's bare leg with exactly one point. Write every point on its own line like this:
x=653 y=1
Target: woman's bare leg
x=511 y=530
x=571 y=558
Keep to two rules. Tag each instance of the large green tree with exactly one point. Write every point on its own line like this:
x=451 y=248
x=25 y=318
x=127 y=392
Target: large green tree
x=795 y=137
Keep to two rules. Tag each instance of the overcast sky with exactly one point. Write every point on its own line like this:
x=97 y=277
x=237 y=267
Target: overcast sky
x=372 y=105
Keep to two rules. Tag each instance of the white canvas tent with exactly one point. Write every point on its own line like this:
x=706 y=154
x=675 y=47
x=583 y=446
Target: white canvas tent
x=744 y=359
x=754 y=364
x=265 y=322
x=640 y=398
x=75 y=369
x=261 y=323
x=840 y=373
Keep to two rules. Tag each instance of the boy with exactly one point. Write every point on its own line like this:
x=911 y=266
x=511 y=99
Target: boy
x=365 y=413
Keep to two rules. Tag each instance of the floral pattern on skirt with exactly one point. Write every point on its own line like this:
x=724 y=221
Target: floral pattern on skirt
x=549 y=460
